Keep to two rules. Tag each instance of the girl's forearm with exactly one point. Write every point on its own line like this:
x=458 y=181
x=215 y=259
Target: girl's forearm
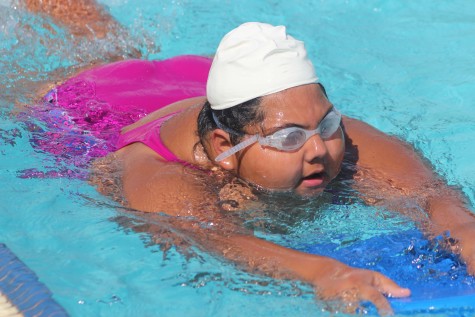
x=448 y=212
x=274 y=260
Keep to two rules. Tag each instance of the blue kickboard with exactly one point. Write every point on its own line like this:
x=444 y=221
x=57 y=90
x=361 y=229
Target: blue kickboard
x=438 y=279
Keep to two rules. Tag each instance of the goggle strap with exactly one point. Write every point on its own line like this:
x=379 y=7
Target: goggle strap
x=237 y=148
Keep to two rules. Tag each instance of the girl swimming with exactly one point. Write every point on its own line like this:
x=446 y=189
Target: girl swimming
x=266 y=120
x=266 y=123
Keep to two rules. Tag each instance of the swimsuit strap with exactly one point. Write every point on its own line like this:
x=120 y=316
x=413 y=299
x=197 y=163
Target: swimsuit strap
x=149 y=135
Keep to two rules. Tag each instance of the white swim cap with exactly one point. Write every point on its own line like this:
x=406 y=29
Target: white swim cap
x=256 y=59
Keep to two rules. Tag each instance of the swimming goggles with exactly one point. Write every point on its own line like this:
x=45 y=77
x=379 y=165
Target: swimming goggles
x=288 y=139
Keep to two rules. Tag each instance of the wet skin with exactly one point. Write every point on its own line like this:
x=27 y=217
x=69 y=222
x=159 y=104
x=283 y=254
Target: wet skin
x=306 y=171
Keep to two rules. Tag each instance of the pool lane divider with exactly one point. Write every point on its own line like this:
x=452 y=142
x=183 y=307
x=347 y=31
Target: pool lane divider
x=21 y=294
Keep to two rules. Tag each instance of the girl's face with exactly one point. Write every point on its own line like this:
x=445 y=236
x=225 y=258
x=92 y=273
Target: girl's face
x=306 y=170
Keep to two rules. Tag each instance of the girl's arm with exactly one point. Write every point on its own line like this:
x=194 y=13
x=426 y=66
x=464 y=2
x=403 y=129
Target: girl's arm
x=81 y=17
x=330 y=278
x=396 y=170
x=155 y=186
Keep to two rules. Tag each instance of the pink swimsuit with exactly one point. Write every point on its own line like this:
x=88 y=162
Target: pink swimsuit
x=149 y=134
x=84 y=115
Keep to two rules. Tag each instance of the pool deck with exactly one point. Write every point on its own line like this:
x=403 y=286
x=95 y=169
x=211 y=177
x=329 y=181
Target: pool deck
x=7 y=308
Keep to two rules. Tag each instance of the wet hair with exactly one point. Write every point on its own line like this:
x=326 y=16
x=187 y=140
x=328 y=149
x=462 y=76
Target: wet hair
x=233 y=119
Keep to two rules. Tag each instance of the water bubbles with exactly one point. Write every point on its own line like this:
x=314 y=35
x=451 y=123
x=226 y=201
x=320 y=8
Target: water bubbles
x=114 y=299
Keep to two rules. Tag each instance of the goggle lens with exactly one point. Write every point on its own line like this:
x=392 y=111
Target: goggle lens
x=294 y=140
x=291 y=139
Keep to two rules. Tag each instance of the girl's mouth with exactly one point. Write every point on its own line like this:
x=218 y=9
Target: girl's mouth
x=314 y=180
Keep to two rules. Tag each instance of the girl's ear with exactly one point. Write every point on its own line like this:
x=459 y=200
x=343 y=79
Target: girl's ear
x=220 y=142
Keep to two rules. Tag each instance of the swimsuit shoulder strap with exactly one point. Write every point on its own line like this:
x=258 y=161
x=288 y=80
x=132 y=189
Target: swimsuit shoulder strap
x=149 y=135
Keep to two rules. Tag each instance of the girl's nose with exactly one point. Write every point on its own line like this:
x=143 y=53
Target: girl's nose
x=315 y=148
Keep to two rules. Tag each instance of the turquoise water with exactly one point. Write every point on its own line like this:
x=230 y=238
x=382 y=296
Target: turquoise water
x=405 y=67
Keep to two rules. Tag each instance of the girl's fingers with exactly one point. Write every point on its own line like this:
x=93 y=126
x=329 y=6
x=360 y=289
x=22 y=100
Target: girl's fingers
x=389 y=287
x=374 y=296
x=470 y=262
x=364 y=285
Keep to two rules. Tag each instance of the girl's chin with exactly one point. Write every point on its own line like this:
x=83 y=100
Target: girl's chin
x=299 y=191
x=309 y=192
x=306 y=188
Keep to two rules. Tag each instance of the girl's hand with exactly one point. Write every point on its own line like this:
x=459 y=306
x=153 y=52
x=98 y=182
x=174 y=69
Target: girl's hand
x=351 y=286
x=461 y=242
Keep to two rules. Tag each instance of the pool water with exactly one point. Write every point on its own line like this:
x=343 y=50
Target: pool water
x=405 y=67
